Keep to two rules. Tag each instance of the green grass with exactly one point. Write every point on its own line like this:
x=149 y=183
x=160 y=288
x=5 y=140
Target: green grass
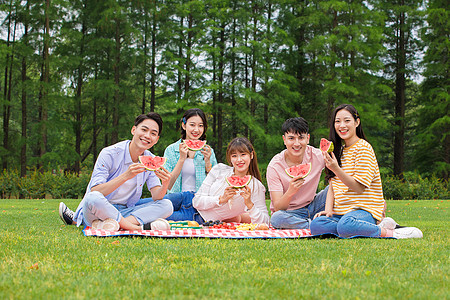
x=73 y=266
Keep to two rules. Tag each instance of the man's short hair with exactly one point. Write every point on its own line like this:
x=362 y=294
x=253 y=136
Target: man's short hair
x=152 y=116
x=295 y=125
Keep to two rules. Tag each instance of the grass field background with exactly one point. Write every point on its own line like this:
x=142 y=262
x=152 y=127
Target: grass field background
x=41 y=258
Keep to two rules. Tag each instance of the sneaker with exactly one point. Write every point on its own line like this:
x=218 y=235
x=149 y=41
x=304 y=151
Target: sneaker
x=407 y=233
x=388 y=223
x=108 y=224
x=65 y=213
x=158 y=224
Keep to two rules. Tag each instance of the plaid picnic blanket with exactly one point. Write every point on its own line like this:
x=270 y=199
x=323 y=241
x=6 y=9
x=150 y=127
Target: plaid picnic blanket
x=204 y=233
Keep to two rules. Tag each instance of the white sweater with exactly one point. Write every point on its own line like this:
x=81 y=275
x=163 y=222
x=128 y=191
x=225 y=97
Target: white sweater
x=206 y=200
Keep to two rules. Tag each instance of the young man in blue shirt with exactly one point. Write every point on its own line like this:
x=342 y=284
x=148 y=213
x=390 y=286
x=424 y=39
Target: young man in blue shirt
x=117 y=181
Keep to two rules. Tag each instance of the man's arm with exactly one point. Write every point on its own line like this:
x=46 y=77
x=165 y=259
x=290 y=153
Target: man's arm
x=110 y=186
x=281 y=201
x=158 y=192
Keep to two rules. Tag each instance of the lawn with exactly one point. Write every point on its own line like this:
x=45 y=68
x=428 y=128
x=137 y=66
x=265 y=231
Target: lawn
x=42 y=258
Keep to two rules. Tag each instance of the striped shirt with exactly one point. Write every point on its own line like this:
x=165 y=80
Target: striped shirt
x=359 y=161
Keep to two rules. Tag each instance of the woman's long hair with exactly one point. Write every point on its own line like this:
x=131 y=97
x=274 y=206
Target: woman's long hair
x=242 y=144
x=191 y=113
x=336 y=139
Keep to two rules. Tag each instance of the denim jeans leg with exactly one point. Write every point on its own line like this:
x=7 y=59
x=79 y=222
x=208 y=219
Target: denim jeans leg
x=318 y=204
x=96 y=206
x=358 y=223
x=290 y=219
x=176 y=199
x=324 y=224
x=186 y=212
x=149 y=212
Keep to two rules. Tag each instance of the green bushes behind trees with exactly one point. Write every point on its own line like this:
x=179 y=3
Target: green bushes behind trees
x=59 y=185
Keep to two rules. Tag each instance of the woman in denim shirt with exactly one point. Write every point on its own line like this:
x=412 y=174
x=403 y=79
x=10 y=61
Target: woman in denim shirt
x=189 y=168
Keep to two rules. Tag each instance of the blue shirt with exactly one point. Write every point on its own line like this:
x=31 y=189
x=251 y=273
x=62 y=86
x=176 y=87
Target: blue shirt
x=111 y=162
x=172 y=153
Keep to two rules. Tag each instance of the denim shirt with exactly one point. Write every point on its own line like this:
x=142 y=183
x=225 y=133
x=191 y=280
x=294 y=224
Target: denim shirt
x=172 y=153
x=112 y=162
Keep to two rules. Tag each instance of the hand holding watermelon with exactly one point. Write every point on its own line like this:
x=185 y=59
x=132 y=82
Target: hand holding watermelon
x=206 y=151
x=247 y=195
x=184 y=150
x=134 y=169
x=163 y=174
x=330 y=161
x=228 y=194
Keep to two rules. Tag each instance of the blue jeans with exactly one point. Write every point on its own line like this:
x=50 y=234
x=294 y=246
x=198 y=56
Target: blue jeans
x=182 y=207
x=96 y=206
x=299 y=218
x=355 y=223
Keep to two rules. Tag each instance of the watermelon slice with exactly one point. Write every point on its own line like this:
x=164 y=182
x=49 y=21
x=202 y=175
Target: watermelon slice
x=326 y=145
x=195 y=145
x=238 y=182
x=152 y=163
x=302 y=170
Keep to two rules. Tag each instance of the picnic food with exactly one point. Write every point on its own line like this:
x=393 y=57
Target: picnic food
x=302 y=170
x=152 y=163
x=219 y=225
x=195 y=145
x=238 y=182
x=251 y=226
x=184 y=225
x=262 y=227
x=326 y=145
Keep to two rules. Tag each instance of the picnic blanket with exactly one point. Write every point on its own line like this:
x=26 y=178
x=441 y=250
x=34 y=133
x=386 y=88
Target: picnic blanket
x=205 y=233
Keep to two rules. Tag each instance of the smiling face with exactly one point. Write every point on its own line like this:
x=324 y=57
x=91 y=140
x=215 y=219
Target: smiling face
x=345 y=126
x=194 y=128
x=296 y=144
x=145 y=135
x=241 y=162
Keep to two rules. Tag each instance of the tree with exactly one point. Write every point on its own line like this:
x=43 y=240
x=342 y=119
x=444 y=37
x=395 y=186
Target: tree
x=432 y=153
x=403 y=19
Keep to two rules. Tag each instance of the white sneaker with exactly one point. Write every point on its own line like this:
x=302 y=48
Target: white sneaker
x=160 y=224
x=388 y=223
x=108 y=224
x=408 y=233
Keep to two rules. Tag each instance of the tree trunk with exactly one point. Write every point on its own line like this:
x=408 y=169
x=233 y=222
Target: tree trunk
x=144 y=69
x=400 y=99
x=233 y=76
x=78 y=129
x=187 y=78
x=153 y=67
x=221 y=84
x=7 y=93
x=115 y=113
x=23 y=148
x=45 y=87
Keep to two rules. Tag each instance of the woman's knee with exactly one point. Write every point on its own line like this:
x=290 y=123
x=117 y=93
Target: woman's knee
x=346 y=226
x=317 y=225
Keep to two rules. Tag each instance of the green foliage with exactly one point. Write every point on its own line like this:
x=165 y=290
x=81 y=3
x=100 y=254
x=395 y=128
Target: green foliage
x=414 y=186
x=39 y=185
x=248 y=64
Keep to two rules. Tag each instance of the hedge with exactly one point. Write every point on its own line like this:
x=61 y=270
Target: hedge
x=59 y=185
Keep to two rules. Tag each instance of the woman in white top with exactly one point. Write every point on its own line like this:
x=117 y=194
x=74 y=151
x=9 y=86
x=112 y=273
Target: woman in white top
x=216 y=200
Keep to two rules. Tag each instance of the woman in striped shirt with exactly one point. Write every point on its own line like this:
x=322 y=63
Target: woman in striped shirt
x=355 y=202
